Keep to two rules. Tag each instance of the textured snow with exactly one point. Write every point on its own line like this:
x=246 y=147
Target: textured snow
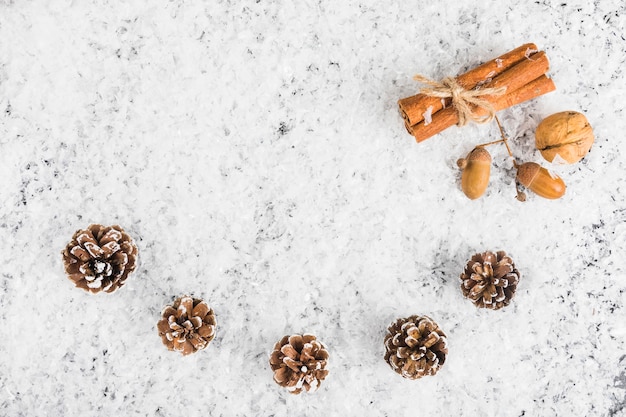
x=529 y=52
x=254 y=151
x=428 y=115
x=559 y=160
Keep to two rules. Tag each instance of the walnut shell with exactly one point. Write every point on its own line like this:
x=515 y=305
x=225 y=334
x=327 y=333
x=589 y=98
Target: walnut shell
x=564 y=137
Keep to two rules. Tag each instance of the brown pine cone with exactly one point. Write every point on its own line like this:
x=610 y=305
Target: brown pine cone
x=415 y=347
x=299 y=363
x=100 y=258
x=490 y=280
x=187 y=326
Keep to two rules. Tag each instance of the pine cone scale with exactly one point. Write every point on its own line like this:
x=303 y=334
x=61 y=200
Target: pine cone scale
x=289 y=351
x=79 y=253
x=478 y=269
x=477 y=277
x=281 y=375
x=94 y=250
x=296 y=342
x=512 y=278
x=275 y=358
x=431 y=340
x=111 y=236
x=197 y=343
x=163 y=326
x=502 y=269
x=500 y=296
x=206 y=331
x=292 y=364
x=109 y=249
x=119 y=258
x=196 y=321
x=201 y=310
x=477 y=290
x=86 y=237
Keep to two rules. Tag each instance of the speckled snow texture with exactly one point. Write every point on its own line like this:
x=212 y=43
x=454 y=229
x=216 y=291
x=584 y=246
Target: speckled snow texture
x=255 y=152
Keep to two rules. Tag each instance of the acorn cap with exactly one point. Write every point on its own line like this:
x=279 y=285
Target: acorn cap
x=527 y=172
x=479 y=154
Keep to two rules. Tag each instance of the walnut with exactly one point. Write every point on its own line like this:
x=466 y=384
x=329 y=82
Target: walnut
x=564 y=137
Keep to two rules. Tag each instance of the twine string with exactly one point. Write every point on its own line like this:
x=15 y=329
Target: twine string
x=462 y=99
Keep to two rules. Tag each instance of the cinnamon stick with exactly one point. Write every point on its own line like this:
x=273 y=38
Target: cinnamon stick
x=413 y=108
x=513 y=79
x=538 y=87
x=443 y=119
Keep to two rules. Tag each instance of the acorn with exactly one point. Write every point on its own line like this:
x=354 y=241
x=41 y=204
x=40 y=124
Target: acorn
x=564 y=137
x=541 y=181
x=476 y=168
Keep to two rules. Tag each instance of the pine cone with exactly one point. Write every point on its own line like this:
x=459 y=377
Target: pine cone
x=187 y=326
x=415 y=347
x=299 y=362
x=100 y=258
x=490 y=280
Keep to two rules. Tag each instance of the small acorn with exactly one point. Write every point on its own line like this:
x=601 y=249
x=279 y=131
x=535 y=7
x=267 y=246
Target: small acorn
x=541 y=181
x=564 y=137
x=476 y=168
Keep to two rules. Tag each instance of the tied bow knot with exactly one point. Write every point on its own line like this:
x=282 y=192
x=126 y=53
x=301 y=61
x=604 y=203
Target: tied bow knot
x=462 y=99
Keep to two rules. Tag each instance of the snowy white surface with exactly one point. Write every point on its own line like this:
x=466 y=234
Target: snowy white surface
x=255 y=152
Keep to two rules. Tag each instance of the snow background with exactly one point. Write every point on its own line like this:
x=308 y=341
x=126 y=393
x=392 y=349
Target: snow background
x=255 y=152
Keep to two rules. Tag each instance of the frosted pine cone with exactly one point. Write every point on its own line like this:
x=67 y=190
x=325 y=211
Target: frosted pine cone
x=100 y=258
x=490 y=280
x=187 y=326
x=415 y=347
x=299 y=363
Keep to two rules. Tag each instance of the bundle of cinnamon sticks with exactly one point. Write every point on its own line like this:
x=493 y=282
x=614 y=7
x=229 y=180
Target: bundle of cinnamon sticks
x=522 y=71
